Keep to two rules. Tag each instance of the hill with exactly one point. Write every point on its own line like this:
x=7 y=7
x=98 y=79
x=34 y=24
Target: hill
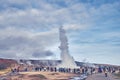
x=4 y=63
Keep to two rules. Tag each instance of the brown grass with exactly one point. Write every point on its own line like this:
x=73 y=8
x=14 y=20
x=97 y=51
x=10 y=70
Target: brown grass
x=4 y=71
x=38 y=76
x=41 y=76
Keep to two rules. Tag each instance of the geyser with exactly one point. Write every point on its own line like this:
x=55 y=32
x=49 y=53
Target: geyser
x=67 y=60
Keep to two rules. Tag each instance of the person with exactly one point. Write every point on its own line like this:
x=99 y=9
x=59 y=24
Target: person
x=99 y=70
x=106 y=74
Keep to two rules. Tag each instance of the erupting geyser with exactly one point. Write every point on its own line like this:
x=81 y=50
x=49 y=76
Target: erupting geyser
x=67 y=60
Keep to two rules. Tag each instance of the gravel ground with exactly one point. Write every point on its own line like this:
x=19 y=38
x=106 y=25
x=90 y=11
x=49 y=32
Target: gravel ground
x=101 y=76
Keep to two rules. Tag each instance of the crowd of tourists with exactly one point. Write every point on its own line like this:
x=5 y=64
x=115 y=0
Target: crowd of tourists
x=107 y=70
x=80 y=70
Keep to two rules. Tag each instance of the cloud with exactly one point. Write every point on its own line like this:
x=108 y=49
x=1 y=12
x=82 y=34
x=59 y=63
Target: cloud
x=44 y=54
x=75 y=26
x=21 y=44
x=46 y=15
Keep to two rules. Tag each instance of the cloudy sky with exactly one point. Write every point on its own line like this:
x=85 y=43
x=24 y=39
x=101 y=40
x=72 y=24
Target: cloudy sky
x=29 y=29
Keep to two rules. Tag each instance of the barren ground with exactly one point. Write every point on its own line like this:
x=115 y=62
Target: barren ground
x=40 y=76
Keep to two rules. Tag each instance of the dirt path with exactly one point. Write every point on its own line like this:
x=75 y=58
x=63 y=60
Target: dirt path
x=101 y=76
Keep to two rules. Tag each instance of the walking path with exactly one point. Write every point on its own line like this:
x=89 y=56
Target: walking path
x=101 y=76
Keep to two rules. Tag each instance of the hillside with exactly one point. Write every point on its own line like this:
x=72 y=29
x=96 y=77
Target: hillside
x=4 y=63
